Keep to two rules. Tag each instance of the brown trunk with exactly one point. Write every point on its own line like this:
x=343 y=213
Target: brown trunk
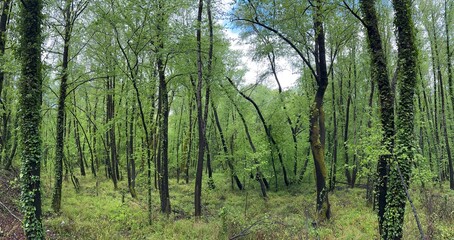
x=317 y=118
x=200 y=120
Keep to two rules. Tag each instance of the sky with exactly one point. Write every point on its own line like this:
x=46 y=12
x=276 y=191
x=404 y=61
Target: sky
x=287 y=77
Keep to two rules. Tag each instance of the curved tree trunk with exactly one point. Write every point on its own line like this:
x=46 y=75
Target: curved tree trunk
x=317 y=119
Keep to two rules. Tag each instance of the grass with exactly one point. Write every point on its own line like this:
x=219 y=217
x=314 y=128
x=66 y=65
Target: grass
x=99 y=212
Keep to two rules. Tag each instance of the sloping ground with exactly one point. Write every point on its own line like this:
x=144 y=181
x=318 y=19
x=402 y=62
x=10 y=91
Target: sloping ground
x=10 y=224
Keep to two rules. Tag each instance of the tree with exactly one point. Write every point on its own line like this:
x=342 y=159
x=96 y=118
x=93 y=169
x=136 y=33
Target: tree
x=70 y=15
x=163 y=111
x=200 y=121
x=4 y=22
x=400 y=168
x=379 y=73
x=30 y=88
x=451 y=88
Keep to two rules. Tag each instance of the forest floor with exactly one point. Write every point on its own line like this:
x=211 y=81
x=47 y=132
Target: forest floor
x=99 y=212
x=10 y=216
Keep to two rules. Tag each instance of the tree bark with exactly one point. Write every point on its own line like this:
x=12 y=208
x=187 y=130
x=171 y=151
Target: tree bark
x=451 y=91
x=400 y=169
x=317 y=118
x=200 y=121
x=30 y=100
x=379 y=73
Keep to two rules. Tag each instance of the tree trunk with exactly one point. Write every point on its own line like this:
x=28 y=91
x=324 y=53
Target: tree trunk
x=110 y=134
x=401 y=167
x=200 y=121
x=451 y=89
x=131 y=164
x=258 y=176
x=267 y=128
x=4 y=20
x=80 y=153
x=317 y=119
x=30 y=100
x=224 y=147
x=332 y=179
x=379 y=73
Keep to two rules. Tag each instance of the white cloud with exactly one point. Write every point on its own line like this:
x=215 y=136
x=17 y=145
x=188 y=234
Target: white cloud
x=287 y=77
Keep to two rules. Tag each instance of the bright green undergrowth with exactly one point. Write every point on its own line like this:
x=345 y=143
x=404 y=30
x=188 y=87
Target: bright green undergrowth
x=99 y=212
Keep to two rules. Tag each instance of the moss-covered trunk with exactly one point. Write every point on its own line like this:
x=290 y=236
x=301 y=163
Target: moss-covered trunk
x=406 y=77
x=317 y=119
x=30 y=89
x=379 y=73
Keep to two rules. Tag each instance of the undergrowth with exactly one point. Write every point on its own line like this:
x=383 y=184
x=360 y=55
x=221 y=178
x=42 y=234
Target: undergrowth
x=99 y=212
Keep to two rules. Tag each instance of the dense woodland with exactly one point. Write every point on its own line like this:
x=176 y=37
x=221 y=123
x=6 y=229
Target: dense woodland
x=140 y=119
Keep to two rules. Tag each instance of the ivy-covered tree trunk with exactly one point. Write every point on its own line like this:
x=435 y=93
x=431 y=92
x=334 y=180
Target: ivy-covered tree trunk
x=379 y=73
x=6 y=131
x=317 y=119
x=400 y=168
x=30 y=89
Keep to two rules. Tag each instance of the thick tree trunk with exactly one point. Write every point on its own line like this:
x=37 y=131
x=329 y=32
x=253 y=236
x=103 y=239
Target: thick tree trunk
x=400 y=170
x=379 y=73
x=30 y=100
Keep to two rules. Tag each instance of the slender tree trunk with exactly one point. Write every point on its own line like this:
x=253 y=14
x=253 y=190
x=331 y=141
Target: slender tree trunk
x=30 y=100
x=317 y=129
x=332 y=179
x=110 y=134
x=131 y=164
x=4 y=20
x=80 y=153
x=200 y=121
x=258 y=176
x=224 y=147
x=271 y=140
x=347 y=123
x=188 y=155
x=163 y=110
x=443 y=104
x=59 y=155
x=451 y=90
